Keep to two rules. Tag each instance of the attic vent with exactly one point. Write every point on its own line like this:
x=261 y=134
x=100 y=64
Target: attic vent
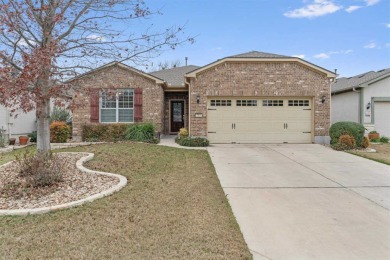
x=381 y=70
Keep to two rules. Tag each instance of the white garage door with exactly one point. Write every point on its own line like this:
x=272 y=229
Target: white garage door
x=242 y=120
x=382 y=118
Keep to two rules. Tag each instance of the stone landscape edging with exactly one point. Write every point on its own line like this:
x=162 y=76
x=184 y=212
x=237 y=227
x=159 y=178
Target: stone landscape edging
x=79 y=165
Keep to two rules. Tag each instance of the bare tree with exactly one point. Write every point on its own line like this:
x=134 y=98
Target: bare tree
x=163 y=65
x=43 y=42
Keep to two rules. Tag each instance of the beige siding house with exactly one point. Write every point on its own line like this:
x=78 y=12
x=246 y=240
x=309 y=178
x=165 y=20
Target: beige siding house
x=254 y=97
x=364 y=99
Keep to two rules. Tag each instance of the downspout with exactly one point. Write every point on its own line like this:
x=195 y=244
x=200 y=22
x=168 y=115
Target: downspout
x=361 y=111
x=189 y=105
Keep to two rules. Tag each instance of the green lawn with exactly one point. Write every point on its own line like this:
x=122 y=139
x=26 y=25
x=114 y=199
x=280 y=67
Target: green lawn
x=172 y=208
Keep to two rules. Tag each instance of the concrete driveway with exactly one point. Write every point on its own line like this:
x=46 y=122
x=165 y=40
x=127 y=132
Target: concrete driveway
x=306 y=201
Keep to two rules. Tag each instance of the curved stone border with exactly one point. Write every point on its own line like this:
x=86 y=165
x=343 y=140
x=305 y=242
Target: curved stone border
x=79 y=165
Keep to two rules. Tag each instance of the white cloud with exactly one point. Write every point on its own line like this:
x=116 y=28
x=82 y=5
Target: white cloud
x=371 y=45
x=371 y=2
x=23 y=43
x=315 y=9
x=341 y=52
x=322 y=56
x=388 y=25
x=352 y=8
x=97 y=38
x=301 y=56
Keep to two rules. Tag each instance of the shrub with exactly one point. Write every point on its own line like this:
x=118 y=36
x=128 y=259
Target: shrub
x=60 y=114
x=348 y=141
x=193 y=141
x=375 y=140
x=59 y=132
x=347 y=128
x=104 y=132
x=373 y=132
x=140 y=132
x=384 y=139
x=366 y=142
x=183 y=132
x=33 y=136
x=41 y=170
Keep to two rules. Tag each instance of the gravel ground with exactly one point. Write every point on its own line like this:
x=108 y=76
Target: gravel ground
x=74 y=186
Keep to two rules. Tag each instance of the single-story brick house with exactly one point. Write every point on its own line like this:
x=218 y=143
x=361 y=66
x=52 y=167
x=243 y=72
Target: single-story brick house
x=253 y=97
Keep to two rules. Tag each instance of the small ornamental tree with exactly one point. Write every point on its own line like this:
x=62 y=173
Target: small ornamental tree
x=44 y=43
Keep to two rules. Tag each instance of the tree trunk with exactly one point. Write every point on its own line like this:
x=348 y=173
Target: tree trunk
x=43 y=127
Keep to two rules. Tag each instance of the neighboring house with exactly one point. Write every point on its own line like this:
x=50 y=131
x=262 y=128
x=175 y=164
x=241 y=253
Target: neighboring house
x=253 y=97
x=22 y=124
x=364 y=99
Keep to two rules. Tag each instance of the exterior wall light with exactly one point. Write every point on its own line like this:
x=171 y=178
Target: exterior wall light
x=368 y=105
x=197 y=99
x=323 y=99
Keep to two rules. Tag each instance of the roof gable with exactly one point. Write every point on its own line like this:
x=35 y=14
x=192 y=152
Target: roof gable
x=254 y=56
x=121 y=65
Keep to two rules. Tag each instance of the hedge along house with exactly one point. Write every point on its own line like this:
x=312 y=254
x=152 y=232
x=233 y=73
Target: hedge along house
x=253 y=97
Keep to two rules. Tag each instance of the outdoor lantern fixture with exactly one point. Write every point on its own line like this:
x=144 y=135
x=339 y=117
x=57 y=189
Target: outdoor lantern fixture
x=368 y=105
x=197 y=99
x=323 y=99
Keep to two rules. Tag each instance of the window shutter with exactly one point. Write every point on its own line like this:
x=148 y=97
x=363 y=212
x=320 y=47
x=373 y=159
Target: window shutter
x=138 y=105
x=94 y=104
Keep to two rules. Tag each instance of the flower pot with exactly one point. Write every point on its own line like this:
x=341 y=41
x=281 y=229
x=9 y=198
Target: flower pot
x=23 y=140
x=373 y=136
x=11 y=141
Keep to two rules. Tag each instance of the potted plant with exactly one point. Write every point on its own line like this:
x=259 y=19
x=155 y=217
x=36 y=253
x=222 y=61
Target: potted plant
x=11 y=141
x=373 y=135
x=23 y=140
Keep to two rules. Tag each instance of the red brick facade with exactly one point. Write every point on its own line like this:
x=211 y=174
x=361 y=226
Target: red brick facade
x=118 y=77
x=260 y=79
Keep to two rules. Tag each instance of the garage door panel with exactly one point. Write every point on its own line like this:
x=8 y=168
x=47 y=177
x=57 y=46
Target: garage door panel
x=269 y=121
x=382 y=117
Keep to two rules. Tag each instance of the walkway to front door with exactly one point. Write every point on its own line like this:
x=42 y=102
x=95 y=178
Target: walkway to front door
x=177 y=115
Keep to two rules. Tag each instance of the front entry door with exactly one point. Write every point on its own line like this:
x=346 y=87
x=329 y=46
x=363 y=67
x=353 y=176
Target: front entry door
x=177 y=115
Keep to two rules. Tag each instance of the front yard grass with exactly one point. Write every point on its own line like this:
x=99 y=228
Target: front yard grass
x=172 y=208
x=382 y=154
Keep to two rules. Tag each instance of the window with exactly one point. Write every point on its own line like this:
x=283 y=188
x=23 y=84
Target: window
x=272 y=103
x=298 y=103
x=220 y=103
x=117 y=106
x=246 y=103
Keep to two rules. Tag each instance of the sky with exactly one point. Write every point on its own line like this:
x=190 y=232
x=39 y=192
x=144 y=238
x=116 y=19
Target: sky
x=352 y=36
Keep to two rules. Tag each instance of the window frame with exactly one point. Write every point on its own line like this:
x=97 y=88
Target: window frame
x=117 y=108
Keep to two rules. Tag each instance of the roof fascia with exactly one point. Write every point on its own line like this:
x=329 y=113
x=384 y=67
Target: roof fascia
x=328 y=73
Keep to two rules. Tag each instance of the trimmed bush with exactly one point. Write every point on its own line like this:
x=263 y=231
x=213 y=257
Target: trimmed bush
x=183 y=132
x=192 y=141
x=347 y=128
x=348 y=141
x=384 y=139
x=59 y=132
x=140 y=132
x=366 y=142
x=103 y=132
